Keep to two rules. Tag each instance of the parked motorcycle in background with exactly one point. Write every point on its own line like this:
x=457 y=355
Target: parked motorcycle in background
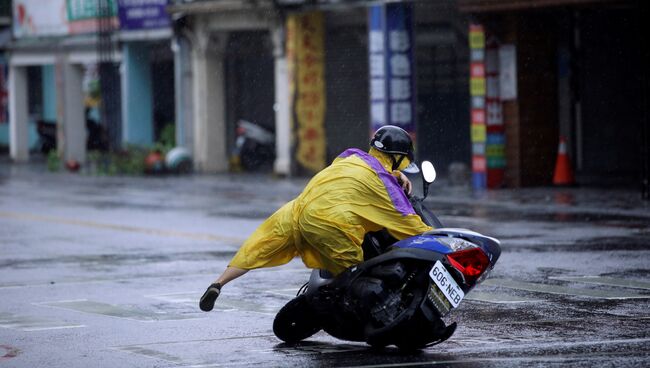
x=254 y=147
x=402 y=291
x=96 y=136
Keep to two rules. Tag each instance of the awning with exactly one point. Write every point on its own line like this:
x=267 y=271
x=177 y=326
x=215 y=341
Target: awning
x=223 y=6
x=203 y=7
x=80 y=49
x=483 y=6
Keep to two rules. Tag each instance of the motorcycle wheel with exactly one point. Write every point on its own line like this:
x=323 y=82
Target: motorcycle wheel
x=430 y=333
x=295 y=321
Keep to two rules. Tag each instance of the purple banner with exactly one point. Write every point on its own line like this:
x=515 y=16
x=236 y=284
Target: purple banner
x=143 y=14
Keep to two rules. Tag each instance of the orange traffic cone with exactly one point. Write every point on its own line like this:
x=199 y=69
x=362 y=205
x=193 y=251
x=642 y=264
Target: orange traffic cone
x=563 y=172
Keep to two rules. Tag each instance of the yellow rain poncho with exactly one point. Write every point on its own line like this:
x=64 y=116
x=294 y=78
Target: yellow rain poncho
x=325 y=225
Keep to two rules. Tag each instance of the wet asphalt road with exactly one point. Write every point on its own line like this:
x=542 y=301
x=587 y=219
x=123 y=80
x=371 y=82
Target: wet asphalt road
x=107 y=272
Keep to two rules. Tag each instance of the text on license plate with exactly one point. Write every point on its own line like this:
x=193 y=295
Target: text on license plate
x=447 y=284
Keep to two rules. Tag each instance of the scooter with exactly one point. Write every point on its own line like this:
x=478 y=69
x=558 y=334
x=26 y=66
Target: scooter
x=400 y=293
x=254 y=146
x=96 y=138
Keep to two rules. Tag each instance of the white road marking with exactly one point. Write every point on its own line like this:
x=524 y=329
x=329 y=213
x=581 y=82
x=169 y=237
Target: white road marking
x=29 y=324
x=182 y=297
x=564 y=290
x=148 y=350
x=609 y=281
x=88 y=306
x=225 y=303
x=214 y=365
x=291 y=292
x=92 y=280
x=150 y=353
x=190 y=298
x=537 y=345
x=127 y=228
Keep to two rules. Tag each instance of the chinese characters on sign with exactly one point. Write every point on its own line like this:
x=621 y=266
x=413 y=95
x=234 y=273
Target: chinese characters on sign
x=487 y=129
x=495 y=139
x=392 y=97
x=306 y=53
x=477 y=91
x=143 y=14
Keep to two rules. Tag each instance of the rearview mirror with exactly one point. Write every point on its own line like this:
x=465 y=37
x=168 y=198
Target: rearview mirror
x=428 y=176
x=428 y=172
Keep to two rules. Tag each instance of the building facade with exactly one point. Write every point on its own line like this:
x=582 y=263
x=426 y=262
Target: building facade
x=78 y=62
x=549 y=69
x=234 y=63
x=579 y=74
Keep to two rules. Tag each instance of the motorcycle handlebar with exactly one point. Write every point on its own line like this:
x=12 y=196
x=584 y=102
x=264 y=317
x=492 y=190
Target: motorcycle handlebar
x=425 y=214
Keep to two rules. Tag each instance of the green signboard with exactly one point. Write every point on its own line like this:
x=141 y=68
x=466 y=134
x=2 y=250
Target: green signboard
x=89 y=9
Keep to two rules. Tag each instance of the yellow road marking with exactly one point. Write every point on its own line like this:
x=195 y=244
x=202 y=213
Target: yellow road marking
x=127 y=228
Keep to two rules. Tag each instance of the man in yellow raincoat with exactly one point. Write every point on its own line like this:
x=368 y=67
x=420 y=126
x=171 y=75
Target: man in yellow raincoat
x=325 y=225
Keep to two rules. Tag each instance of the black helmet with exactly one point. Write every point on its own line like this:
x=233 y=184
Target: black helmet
x=393 y=139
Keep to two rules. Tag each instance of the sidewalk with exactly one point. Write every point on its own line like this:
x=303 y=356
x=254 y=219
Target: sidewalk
x=621 y=202
x=541 y=200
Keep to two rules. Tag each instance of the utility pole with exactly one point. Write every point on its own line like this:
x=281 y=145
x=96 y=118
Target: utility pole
x=108 y=74
x=645 y=94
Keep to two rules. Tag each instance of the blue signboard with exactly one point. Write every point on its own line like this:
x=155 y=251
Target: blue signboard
x=143 y=14
x=392 y=78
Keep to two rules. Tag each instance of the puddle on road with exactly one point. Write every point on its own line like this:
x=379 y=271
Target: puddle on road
x=126 y=312
x=110 y=205
x=151 y=353
x=499 y=298
x=324 y=351
x=227 y=303
x=608 y=281
x=122 y=259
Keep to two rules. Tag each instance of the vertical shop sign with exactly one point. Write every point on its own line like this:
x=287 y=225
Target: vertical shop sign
x=306 y=52
x=392 y=83
x=495 y=142
x=507 y=72
x=478 y=89
x=143 y=14
x=4 y=92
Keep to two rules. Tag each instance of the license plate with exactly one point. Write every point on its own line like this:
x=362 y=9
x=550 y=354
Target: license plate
x=446 y=284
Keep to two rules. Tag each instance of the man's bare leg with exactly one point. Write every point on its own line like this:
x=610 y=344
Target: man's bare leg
x=230 y=274
x=210 y=296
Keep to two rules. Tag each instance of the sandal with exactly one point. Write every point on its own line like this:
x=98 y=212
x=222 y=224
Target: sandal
x=211 y=294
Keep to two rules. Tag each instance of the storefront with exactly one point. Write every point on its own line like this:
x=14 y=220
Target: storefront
x=109 y=66
x=243 y=41
x=230 y=65
x=580 y=76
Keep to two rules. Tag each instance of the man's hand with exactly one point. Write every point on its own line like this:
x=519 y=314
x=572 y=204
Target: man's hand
x=404 y=181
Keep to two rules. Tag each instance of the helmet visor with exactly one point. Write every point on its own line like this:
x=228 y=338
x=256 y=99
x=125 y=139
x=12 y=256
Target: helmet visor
x=412 y=168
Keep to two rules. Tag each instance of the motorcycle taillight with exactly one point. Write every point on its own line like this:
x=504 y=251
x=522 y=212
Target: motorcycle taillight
x=470 y=262
x=240 y=130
